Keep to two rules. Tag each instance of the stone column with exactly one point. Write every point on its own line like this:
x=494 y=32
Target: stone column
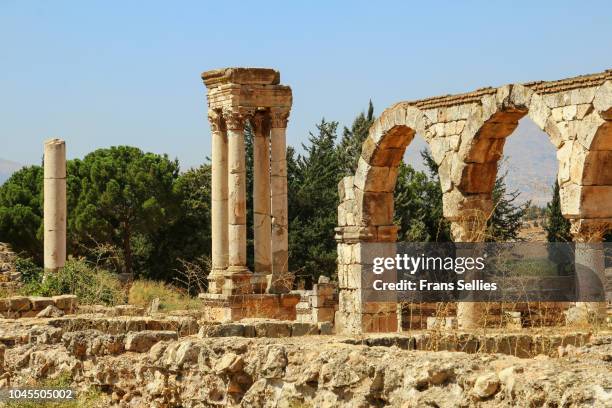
x=219 y=219
x=590 y=267
x=237 y=274
x=471 y=228
x=54 y=205
x=280 y=281
x=262 y=218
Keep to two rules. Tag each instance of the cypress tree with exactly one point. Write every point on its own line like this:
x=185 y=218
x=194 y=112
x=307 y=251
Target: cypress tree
x=557 y=227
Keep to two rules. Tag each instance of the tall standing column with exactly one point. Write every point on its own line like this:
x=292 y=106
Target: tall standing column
x=262 y=218
x=280 y=282
x=236 y=203
x=54 y=204
x=590 y=267
x=219 y=219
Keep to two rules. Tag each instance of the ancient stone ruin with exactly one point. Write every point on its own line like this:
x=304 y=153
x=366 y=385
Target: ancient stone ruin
x=466 y=134
x=256 y=343
x=55 y=210
x=237 y=97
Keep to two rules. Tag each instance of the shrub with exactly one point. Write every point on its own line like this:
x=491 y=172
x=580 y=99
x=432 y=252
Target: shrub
x=143 y=292
x=30 y=272
x=91 y=285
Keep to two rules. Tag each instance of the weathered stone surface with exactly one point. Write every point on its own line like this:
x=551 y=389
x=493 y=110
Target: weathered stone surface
x=272 y=329
x=19 y=304
x=50 y=311
x=141 y=342
x=486 y=385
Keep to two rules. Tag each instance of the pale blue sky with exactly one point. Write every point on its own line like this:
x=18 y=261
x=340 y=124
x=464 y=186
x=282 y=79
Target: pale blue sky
x=101 y=73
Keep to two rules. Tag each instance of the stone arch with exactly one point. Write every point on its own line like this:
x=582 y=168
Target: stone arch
x=466 y=134
x=377 y=168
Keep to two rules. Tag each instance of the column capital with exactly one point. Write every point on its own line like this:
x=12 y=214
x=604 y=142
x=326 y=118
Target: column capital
x=261 y=123
x=215 y=118
x=589 y=230
x=279 y=117
x=236 y=119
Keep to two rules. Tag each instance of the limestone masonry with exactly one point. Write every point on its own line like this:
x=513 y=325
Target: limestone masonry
x=466 y=134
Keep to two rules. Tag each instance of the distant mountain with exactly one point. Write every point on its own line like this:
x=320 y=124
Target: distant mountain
x=7 y=168
x=530 y=161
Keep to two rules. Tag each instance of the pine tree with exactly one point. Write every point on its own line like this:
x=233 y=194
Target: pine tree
x=506 y=220
x=418 y=204
x=313 y=202
x=557 y=226
x=349 y=148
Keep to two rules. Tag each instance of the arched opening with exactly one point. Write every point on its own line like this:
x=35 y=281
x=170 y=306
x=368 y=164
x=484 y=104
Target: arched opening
x=467 y=134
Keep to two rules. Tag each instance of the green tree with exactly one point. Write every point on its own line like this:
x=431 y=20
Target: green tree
x=418 y=204
x=506 y=220
x=313 y=201
x=125 y=197
x=557 y=226
x=186 y=237
x=349 y=148
x=21 y=213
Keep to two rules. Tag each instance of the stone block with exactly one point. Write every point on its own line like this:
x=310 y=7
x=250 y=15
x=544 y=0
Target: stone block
x=326 y=328
x=303 y=329
x=375 y=178
x=39 y=302
x=379 y=323
x=594 y=169
x=50 y=311
x=374 y=208
x=272 y=329
x=349 y=276
x=320 y=300
x=19 y=304
x=142 y=341
x=242 y=76
x=323 y=314
x=324 y=289
x=127 y=310
x=374 y=155
x=67 y=303
x=475 y=177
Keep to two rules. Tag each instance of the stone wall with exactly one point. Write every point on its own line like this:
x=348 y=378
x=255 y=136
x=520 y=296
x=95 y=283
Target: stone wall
x=319 y=304
x=10 y=278
x=134 y=362
x=16 y=307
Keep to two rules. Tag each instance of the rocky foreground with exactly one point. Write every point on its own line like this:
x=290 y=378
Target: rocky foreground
x=179 y=362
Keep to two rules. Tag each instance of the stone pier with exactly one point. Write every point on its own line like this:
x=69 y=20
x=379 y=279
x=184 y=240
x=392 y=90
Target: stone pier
x=237 y=98
x=590 y=269
x=54 y=205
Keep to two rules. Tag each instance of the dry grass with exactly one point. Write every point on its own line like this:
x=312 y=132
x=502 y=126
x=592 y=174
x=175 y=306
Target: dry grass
x=142 y=293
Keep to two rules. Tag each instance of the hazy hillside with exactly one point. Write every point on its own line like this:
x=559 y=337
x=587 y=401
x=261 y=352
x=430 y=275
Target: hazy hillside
x=7 y=168
x=530 y=161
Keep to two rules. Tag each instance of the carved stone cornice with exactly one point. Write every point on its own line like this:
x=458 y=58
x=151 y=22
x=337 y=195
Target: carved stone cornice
x=279 y=118
x=215 y=118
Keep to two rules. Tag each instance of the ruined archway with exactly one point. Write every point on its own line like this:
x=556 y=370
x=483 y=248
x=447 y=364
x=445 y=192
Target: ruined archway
x=466 y=134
